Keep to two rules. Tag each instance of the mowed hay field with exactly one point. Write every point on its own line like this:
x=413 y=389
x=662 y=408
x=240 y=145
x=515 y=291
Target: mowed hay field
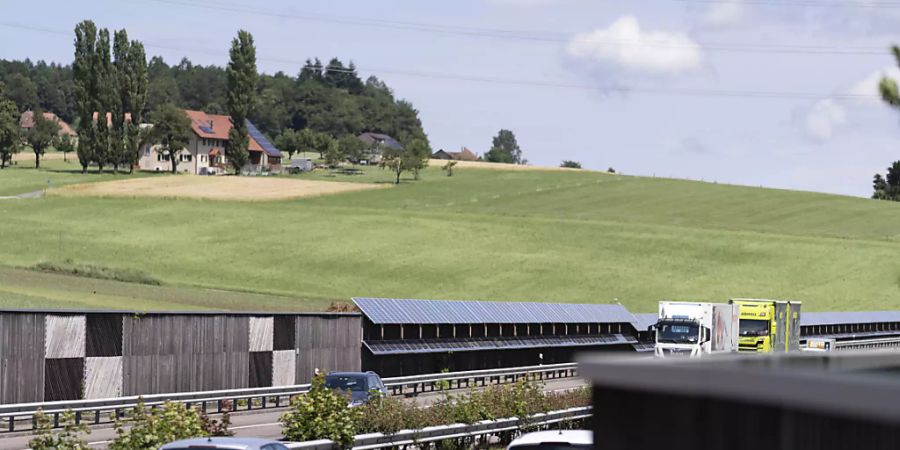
x=498 y=166
x=568 y=236
x=211 y=188
x=22 y=177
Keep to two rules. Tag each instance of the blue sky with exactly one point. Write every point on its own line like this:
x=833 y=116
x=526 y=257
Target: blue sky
x=676 y=88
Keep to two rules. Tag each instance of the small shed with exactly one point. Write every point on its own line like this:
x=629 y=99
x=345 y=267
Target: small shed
x=300 y=165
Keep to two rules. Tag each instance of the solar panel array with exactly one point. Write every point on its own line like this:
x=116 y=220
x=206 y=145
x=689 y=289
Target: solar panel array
x=261 y=139
x=645 y=321
x=402 y=311
x=848 y=317
x=510 y=343
x=643 y=346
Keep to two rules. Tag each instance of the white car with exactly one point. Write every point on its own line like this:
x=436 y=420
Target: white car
x=554 y=440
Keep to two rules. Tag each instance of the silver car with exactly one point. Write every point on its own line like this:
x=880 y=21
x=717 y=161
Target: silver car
x=225 y=443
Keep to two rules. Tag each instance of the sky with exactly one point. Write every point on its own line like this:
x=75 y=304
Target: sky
x=777 y=93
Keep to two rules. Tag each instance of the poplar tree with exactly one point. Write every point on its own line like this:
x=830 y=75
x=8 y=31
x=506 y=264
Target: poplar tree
x=106 y=91
x=118 y=100
x=130 y=64
x=136 y=99
x=86 y=90
x=242 y=79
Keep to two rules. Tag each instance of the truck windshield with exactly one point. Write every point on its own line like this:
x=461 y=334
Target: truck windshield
x=754 y=327
x=678 y=332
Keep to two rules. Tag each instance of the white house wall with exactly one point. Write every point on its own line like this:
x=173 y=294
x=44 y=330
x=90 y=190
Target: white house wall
x=199 y=158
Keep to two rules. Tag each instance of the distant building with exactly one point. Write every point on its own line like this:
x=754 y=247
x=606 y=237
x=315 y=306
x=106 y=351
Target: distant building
x=26 y=121
x=463 y=155
x=375 y=143
x=205 y=153
x=109 y=118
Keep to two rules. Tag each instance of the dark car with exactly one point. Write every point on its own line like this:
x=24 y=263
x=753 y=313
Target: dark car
x=225 y=443
x=359 y=385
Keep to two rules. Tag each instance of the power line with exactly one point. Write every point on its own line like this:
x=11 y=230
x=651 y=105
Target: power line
x=533 y=36
x=690 y=92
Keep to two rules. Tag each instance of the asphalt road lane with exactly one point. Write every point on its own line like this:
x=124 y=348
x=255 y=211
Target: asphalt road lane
x=264 y=423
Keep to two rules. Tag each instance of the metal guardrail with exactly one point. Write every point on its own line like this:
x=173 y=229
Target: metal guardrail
x=860 y=344
x=455 y=431
x=418 y=384
x=95 y=411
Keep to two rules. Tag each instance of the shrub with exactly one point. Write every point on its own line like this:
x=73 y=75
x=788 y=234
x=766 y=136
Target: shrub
x=449 y=168
x=521 y=399
x=68 y=267
x=570 y=164
x=154 y=428
x=443 y=384
x=341 y=307
x=219 y=427
x=320 y=414
x=67 y=438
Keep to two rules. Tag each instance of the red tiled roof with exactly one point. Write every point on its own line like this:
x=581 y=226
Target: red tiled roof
x=27 y=121
x=215 y=126
x=466 y=155
x=214 y=152
x=209 y=126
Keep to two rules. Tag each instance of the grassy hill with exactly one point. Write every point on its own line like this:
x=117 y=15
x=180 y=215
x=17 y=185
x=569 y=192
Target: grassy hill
x=481 y=234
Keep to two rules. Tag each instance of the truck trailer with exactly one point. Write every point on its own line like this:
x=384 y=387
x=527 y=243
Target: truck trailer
x=768 y=326
x=695 y=329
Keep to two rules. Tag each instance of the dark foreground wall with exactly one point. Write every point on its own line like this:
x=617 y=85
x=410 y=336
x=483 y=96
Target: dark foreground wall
x=789 y=401
x=47 y=356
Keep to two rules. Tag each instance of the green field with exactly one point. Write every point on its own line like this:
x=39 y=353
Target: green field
x=22 y=177
x=481 y=234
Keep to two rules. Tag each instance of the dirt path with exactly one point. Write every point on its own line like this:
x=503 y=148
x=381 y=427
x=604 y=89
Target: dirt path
x=35 y=194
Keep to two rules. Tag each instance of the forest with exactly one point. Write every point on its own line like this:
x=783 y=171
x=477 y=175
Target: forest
x=329 y=98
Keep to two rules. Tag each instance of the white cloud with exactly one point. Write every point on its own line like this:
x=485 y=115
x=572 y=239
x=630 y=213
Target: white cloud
x=728 y=12
x=623 y=45
x=823 y=118
x=827 y=115
x=868 y=86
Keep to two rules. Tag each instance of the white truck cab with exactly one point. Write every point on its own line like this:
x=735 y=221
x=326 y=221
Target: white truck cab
x=694 y=328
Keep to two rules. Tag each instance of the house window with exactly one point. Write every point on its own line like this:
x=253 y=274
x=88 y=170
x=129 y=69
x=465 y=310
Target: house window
x=162 y=157
x=147 y=151
x=186 y=157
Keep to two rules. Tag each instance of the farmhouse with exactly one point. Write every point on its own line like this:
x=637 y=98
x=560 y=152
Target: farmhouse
x=375 y=143
x=205 y=153
x=463 y=155
x=26 y=121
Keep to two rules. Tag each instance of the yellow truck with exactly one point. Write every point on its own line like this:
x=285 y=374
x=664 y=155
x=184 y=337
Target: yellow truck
x=767 y=326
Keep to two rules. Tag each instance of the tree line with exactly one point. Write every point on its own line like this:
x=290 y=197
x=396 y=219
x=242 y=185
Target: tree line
x=320 y=109
x=326 y=98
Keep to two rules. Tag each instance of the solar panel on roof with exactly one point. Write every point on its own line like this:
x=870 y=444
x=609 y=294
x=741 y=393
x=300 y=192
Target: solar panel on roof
x=262 y=140
x=458 y=345
x=402 y=311
x=206 y=129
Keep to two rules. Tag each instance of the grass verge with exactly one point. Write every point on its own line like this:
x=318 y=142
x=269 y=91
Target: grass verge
x=100 y=272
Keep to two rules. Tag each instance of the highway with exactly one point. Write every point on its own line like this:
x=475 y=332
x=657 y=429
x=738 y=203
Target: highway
x=262 y=423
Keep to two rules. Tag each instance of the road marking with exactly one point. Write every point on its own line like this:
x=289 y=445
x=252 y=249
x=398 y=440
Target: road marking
x=254 y=426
